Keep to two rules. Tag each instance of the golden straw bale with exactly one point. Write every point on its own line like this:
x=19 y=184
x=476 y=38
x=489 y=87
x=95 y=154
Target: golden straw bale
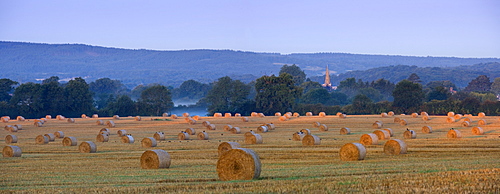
x=244 y=119
x=87 y=147
x=237 y=115
x=69 y=141
x=270 y=126
x=306 y=131
x=396 y=119
x=261 y=115
x=71 y=120
x=110 y=123
x=183 y=136
x=426 y=129
x=11 y=128
x=254 y=114
x=403 y=122
x=51 y=136
x=262 y=129
x=468 y=119
x=154 y=159
x=477 y=131
x=377 y=125
x=196 y=117
x=409 y=134
x=458 y=116
x=95 y=116
x=173 y=116
x=238 y=164
x=226 y=146
x=227 y=115
x=390 y=113
x=38 y=124
x=323 y=127
x=384 y=114
x=389 y=130
x=48 y=116
x=451 y=114
x=425 y=117
x=84 y=116
x=481 y=122
x=11 y=151
x=450 y=120
x=382 y=134
x=481 y=114
x=253 y=138
x=39 y=120
x=190 y=131
x=211 y=127
x=414 y=115
x=310 y=140
x=369 y=139
x=277 y=114
x=203 y=135
x=235 y=130
x=10 y=139
x=102 y=137
x=453 y=133
x=59 y=134
x=345 y=131
x=227 y=127
x=316 y=124
x=342 y=116
x=138 y=118
x=296 y=114
x=352 y=152
x=185 y=114
x=282 y=118
x=424 y=114
x=164 y=114
x=298 y=136
x=18 y=126
x=116 y=116
x=309 y=114
x=148 y=142
x=41 y=139
x=191 y=121
x=128 y=139
x=217 y=114
x=159 y=136
x=121 y=132
x=322 y=114
x=339 y=113
x=205 y=123
x=20 y=118
x=395 y=147
x=99 y=122
x=465 y=124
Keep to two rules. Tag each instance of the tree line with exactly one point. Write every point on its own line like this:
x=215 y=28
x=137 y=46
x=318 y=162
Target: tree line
x=290 y=91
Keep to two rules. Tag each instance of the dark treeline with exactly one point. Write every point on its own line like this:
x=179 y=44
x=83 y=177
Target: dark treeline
x=290 y=91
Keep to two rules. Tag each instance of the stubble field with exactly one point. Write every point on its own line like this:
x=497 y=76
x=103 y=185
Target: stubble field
x=434 y=163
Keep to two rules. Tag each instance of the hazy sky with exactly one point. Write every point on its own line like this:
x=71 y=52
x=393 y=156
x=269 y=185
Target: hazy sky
x=461 y=28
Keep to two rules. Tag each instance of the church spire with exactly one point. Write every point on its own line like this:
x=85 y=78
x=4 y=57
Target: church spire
x=327 y=83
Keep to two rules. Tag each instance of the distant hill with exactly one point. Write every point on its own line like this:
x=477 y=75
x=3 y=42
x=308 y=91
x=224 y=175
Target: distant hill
x=29 y=62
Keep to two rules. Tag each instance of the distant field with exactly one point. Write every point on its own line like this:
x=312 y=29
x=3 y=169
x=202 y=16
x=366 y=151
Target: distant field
x=433 y=163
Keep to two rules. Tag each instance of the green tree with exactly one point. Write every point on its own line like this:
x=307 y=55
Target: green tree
x=6 y=86
x=371 y=93
x=408 y=96
x=298 y=75
x=53 y=98
x=276 y=94
x=310 y=85
x=105 y=90
x=191 y=90
x=385 y=87
x=78 y=97
x=480 y=84
x=227 y=96
x=122 y=105
x=495 y=86
x=338 y=98
x=316 y=96
x=438 y=93
x=414 y=78
x=156 y=100
x=361 y=104
x=28 y=100
x=51 y=79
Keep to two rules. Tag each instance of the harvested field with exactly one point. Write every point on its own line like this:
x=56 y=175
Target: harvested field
x=433 y=163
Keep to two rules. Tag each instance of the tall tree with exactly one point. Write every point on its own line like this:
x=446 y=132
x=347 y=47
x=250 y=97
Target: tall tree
x=414 y=78
x=156 y=100
x=6 y=86
x=123 y=105
x=78 y=97
x=28 y=100
x=53 y=98
x=191 y=90
x=276 y=94
x=298 y=75
x=480 y=84
x=438 y=93
x=408 y=96
x=495 y=86
x=227 y=96
x=316 y=96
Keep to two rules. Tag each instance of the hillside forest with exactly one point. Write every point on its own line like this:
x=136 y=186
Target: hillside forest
x=289 y=91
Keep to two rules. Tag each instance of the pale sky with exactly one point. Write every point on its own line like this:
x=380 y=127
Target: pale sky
x=460 y=28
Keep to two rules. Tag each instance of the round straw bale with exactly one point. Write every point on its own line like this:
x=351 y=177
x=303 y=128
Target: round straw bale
x=270 y=126
x=102 y=138
x=345 y=131
x=11 y=151
x=389 y=130
x=261 y=115
x=306 y=131
x=414 y=115
x=244 y=119
x=190 y=131
x=477 y=131
x=11 y=128
x=138 y=118
x=95 y=116
x=396 y=119
x=154 y=159
x=128 y=139
x=323 y=127
x=173 y=116
x=382 y=134
x=425 y=117
x=309 y=114
x=104 y=132
x=316 y=124
x=262 y=129
x=384 y=114
x=369 y=139
x=468 y=119
x=43 y=119
x=116 y=116
x=465 y=124
x=71 y=120
x=426 y=129
x=196 y=117
x=104 y=129
x=211 y=127
x=238 y=164
x=453 y=133
x=87 y=147
x=450 y=120
x=289 y=114
x=203 y=135
x=253 y=139
x=185 y=114
x=395 y=147
x=99 y=122
x=296 y=114
x=227 y=127
x=451 y=114
x=390 y=113
x=339 y=113
x=183 y=136
x=227 y=115
x=352 y=152
x=48 y=116
x=38 y=124
x=235 y=130
x=282 y=118
x=310 y=140
x=278 y=114
x=298 y=136
x=110 y=123
x=191 y=121
x=159 y=136
x=409 y=134
x=481 y=114
x=343 y=116
x=59 y=134
x=403 y=122
x=237 y=115
x=121 y=132
x=254 y=114
x=84 y=116
x=69 y=141
x=377 y=125
x=481 y=122
x=217 y=114
x=41 y=139
x=322 y=114
x=424 y=113
x=458 y=116
x=205 y=123
x=51 y=136
x=148 y=142
x=226 y=146
x=18 y=126
x=39 y=120
x=20 y=118
x=164 y=114
x=10 y=139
